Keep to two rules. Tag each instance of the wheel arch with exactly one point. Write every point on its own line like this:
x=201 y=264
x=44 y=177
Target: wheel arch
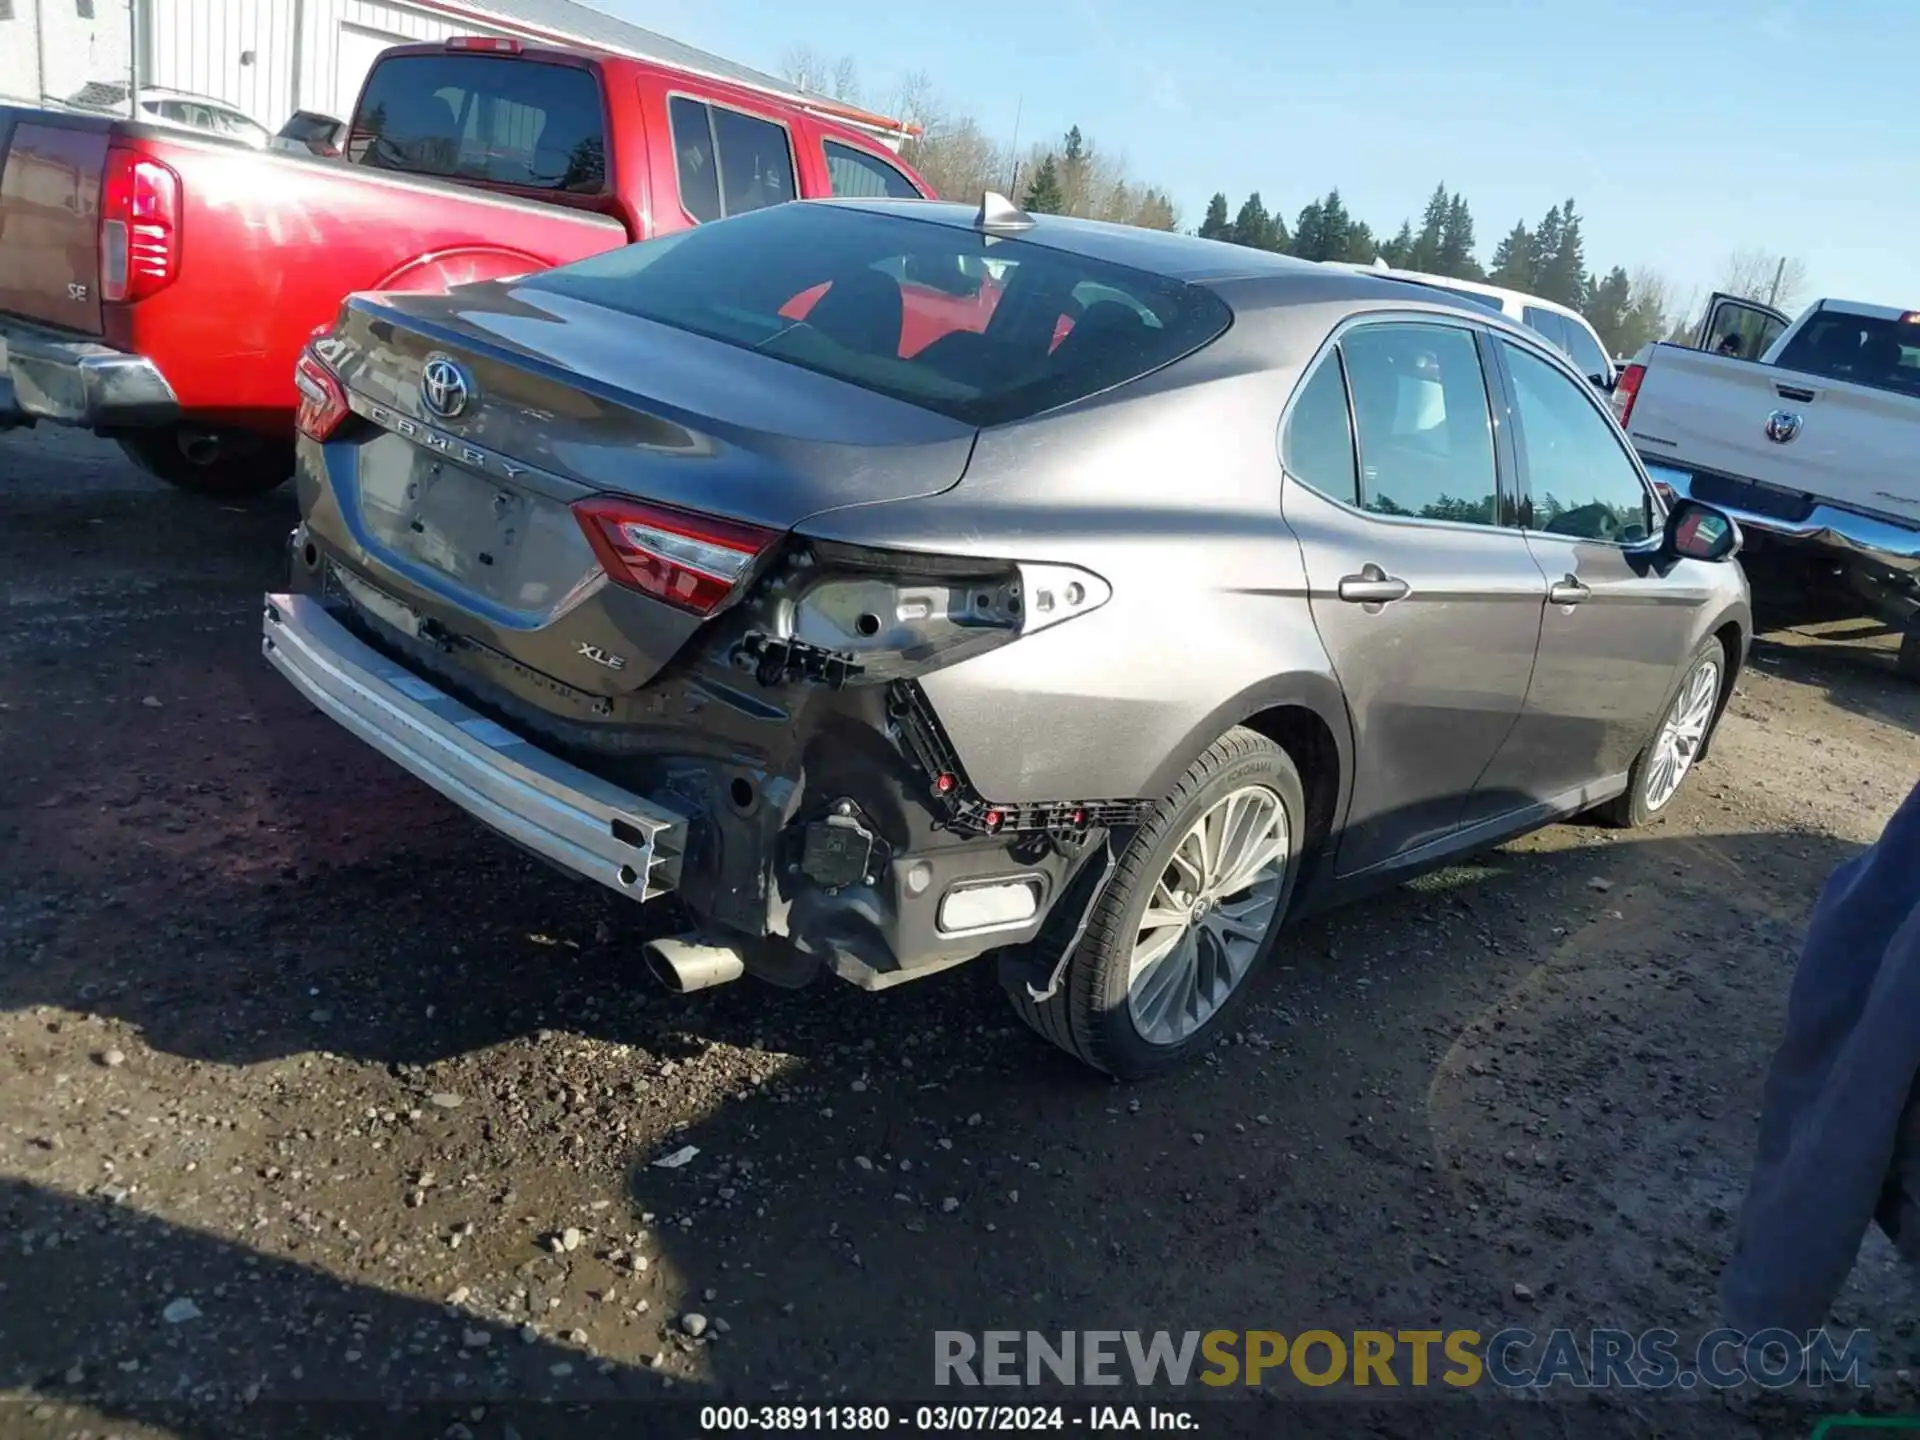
x=440 y=270
x=1733 y=628
x=1305 y=715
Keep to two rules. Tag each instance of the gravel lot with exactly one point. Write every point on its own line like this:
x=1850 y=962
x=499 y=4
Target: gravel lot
x=310 y=1090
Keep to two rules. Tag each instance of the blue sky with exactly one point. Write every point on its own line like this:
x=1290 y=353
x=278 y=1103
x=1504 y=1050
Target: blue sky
x=1682 y=129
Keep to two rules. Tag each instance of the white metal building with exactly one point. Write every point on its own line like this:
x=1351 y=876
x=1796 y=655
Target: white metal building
x=273 y=57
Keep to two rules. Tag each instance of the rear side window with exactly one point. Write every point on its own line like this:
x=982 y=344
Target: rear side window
x=1588 y=357
x=1420 y=411
x=938 y=315
x=1547 y=323
x=1317 y=449
x=728 y=162
x=861 y=176
x=1864 y=349
x=480 y=117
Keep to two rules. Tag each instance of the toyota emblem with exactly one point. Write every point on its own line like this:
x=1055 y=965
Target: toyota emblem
x=445 y=387
x=1782 y=426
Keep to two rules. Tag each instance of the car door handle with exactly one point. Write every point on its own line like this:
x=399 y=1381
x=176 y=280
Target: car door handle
x=1372 y=586
x=1567 y=591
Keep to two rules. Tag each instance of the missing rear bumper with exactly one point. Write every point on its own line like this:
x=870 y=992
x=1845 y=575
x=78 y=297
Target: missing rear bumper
x=578 y=821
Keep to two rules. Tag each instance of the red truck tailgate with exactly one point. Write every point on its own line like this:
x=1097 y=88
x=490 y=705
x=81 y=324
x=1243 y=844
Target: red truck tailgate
x=50 y=221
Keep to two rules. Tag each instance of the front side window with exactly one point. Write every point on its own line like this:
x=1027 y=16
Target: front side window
x=498 y=119
x=1317 y=446
x=1580 y=480
x=860 y=176
x=1420 y=414
x=847 y=293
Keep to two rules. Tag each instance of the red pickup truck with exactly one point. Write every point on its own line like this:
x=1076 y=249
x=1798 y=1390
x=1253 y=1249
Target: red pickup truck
x=157 y=286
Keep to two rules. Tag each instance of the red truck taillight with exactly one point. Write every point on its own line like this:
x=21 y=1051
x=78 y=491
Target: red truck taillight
x=323 y=399
x=1626 y=390
x=693 y=562
x=139 y=226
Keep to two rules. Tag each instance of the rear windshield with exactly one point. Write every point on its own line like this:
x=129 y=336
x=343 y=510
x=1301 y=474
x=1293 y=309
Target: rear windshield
x=484 y=117
x=983 y=329
x=1861 y=348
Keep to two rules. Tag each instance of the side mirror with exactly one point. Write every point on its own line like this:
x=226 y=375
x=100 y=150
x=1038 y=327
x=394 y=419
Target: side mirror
x=1601 y=383
x=1699 y=532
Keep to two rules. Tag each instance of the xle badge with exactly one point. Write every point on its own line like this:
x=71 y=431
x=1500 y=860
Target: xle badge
x=603 y=657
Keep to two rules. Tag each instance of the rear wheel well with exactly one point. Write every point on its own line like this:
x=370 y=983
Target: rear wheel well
x=1310 y=745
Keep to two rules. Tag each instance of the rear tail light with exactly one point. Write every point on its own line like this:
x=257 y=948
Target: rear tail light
x=323 y=399
x=1626 y=390
x=1669 y=497
x=139 y=226
x=694 y=562
x=487 y=44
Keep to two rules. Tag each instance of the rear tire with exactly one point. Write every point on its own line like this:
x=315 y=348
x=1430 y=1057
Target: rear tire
x=1683 y=732
x=1125 y=1013
x=224 y=464
x=1909 y=661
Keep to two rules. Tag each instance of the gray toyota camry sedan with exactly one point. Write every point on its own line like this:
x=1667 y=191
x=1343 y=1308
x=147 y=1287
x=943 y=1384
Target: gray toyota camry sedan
x=897 y=583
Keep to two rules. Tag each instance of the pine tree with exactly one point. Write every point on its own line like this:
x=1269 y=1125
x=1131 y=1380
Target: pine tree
x=1362 y=248
x=1075 y=175
x=1513 y=260
x=1216 y=225
x=1456 y=242
x=1044 y=195
x=1546 y=240
x=1433 y=227
x=1307 y=232
x=1255 y=228
x=1336 y=228
x=1398 y=252
x=1608 y=302
x=1561 y=273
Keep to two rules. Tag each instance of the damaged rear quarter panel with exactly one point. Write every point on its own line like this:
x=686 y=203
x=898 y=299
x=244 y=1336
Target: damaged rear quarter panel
x=1173 y=498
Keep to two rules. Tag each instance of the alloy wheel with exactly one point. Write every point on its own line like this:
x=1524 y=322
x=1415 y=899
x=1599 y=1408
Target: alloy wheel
x=1682 y=734
x=1208 y=914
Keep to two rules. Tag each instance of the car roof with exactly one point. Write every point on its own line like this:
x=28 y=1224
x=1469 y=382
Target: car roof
x=1483 y=287
x=1160 y=252
x=1247 y=279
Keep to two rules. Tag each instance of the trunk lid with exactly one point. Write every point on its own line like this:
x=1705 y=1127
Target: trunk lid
x=50 y=174
x=464 y=511
x=1852 y=444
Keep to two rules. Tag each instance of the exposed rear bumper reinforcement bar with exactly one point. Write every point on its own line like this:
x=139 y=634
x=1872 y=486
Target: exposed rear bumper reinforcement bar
x=579 y=822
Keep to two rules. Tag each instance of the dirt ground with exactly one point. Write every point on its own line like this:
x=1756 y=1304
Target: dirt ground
x=312 y=1091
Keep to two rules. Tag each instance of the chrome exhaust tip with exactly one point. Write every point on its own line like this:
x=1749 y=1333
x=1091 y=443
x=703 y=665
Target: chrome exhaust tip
x=683 y=965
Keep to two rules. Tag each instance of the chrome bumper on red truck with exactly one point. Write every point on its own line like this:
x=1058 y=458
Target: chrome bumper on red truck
x=45 y=375
x=579 y=822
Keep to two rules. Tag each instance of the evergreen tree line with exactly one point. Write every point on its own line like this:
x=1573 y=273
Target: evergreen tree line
x=1547 y=259
x=958 y=158
x=1074 y=176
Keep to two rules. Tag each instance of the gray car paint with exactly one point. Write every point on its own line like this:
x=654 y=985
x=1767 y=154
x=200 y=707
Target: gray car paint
x=1471 y=710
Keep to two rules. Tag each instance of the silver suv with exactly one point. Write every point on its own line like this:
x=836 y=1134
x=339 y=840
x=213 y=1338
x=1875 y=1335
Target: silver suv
x=897 y=584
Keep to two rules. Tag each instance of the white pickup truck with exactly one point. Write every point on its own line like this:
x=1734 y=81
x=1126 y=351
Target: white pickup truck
x=1813 y=445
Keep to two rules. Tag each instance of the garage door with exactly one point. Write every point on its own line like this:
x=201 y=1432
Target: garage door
x=353 y=55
